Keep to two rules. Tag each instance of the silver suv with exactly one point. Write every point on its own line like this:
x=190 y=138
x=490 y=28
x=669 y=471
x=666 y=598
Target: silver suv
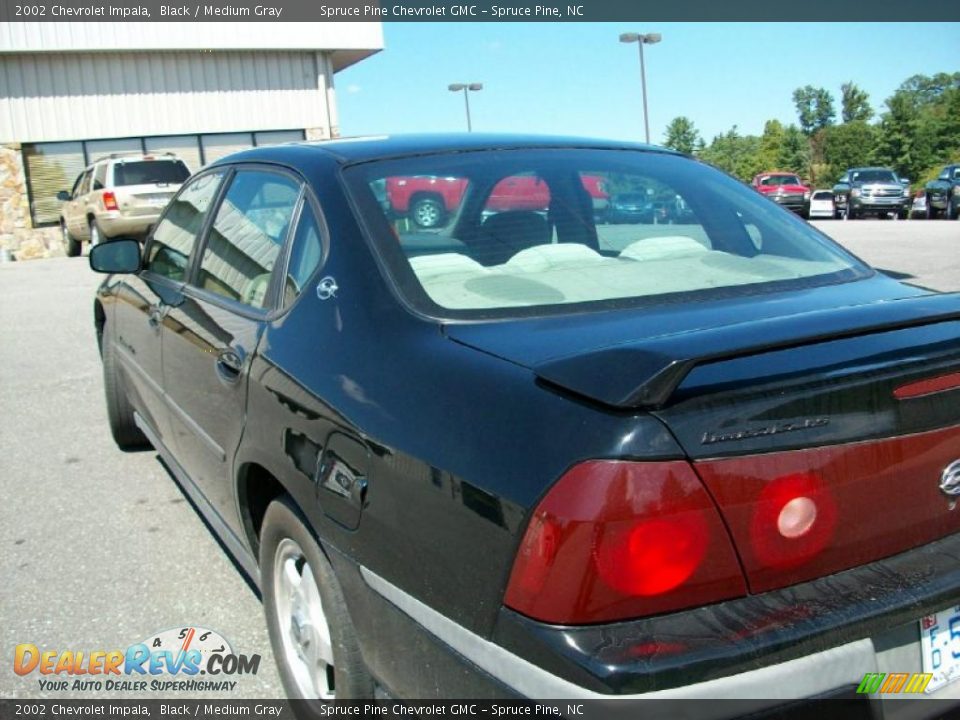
x=118 y=196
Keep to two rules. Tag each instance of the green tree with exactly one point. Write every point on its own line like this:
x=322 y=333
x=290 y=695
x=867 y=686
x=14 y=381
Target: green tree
x=921 y=126
x=770 y=143
x=845 y=146
x=855 y=104
x=794 y=152
x=814 y=108
x=681 y=135
x=737 y=154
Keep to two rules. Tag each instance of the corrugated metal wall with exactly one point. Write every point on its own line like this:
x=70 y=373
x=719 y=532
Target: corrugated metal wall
x=335 y=37
x=71 y=96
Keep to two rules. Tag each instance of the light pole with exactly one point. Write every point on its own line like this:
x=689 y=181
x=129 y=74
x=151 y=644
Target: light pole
x=641 y=40
x=466 y=87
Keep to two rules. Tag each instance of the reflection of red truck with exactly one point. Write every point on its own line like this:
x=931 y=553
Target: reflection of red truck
x=785 y=189
x=427 y=200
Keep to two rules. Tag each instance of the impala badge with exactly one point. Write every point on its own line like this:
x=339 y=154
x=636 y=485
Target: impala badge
x=950 y=479
x=327 y=288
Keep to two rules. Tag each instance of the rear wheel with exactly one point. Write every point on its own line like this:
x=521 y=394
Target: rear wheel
x=931 y=211
x=311 y=633
x=70 y=246
x=952 y=211
x=123 y=427
x=427 y=212
x=95 y=236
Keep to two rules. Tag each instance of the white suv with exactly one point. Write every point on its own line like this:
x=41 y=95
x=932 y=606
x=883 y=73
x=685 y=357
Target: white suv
x=118 y=196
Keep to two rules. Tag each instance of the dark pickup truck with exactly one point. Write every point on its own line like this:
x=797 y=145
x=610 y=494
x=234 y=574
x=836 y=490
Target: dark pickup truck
x=879 y=191
x=943 y=194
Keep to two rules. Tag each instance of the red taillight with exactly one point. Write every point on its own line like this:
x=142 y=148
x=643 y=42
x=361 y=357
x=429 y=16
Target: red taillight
x=614 y=540
x=110 y=201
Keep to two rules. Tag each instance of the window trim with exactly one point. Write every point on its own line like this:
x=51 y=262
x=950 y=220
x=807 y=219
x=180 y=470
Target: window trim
x=307 y=197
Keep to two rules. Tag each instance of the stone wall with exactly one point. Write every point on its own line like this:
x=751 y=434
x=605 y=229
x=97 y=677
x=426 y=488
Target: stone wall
x=17 y=233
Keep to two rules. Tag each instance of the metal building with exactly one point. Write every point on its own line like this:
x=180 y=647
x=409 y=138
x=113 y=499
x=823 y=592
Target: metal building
x=73 y=92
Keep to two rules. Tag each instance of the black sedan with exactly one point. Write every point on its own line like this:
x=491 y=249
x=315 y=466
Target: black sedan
x=529 y=455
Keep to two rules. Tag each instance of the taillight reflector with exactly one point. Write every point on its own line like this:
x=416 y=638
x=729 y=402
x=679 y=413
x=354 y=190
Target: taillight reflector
x=614 y=540
x=109 y=201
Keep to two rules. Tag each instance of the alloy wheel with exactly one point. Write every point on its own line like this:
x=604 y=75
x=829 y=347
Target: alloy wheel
x=304 y=630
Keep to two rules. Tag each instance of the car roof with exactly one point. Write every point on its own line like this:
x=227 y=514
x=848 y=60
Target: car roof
x=362 y=149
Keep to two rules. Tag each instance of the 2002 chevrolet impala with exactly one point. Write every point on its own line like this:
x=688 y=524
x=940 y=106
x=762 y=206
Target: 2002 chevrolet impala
x=530 y=454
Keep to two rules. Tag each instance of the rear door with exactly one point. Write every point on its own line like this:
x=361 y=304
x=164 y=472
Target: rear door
x=212 y=334
x=75 y=211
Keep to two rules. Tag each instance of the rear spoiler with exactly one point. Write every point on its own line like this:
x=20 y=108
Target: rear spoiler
x=645 y=374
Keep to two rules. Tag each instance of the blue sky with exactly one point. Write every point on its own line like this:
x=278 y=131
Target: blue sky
x=577 y=78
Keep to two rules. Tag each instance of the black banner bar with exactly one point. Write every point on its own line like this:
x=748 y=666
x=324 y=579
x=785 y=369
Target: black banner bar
x=466 y=11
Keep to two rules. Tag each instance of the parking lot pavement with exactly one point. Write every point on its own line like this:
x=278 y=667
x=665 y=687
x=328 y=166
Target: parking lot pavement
x=925 y=252
x=100 y=550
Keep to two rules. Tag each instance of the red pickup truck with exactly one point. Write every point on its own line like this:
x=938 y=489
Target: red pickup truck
x=428 y=200
x=784 y=189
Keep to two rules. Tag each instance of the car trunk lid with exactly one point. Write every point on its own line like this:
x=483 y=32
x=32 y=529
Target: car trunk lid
x=823 y=436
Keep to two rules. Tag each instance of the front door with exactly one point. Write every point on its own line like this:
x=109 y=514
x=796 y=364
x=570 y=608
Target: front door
x=144 y=300
x=211 y=336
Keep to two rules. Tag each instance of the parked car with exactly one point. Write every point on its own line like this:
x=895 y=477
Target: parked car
x=429 y=201
x=943 y=194
x=785 y=189
x=920 y=208
x=529 y=455
x=821 y=204
x=872 y=190
x=119 y=195
x=631 y=207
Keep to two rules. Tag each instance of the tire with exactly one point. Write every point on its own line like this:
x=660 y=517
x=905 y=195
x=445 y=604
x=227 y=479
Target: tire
x=427 y=212
x=931 y=210
x=952 y=212
x=123 y=427
x=307 y=617
x=71 y=246
x=96 y=237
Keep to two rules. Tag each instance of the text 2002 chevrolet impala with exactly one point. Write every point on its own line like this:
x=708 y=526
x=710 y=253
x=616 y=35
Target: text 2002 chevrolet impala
x=530 y=455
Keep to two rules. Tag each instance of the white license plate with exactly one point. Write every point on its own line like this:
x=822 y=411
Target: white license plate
x=158 y=202
x=940 y=646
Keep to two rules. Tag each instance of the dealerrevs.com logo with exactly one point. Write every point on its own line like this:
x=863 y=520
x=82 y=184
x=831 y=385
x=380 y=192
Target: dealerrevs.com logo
x=187 y=659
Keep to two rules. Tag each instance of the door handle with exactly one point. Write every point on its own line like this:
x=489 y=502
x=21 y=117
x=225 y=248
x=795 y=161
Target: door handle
x=229 y=365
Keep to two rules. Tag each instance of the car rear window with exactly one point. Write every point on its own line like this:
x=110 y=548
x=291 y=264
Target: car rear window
x=823 y=195
x=150 y=172
x=500 y=254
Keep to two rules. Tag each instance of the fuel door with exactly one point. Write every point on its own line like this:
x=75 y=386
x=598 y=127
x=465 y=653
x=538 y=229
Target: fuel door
x=341 y=480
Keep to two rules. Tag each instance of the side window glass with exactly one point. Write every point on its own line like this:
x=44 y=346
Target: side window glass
x=100 y=177
x=306 y=255
x=247 y=234
x=175 y=236
x=85 y=183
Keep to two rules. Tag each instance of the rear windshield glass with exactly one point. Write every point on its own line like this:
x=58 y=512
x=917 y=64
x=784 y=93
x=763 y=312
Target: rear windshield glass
x=150 y=172
x=521 y=232
x=823 y=195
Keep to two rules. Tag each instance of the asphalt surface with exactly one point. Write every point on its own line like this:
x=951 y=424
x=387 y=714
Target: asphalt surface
x=101 y=550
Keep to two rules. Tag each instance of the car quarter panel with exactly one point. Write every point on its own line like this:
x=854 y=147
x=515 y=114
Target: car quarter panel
x=450 y=481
